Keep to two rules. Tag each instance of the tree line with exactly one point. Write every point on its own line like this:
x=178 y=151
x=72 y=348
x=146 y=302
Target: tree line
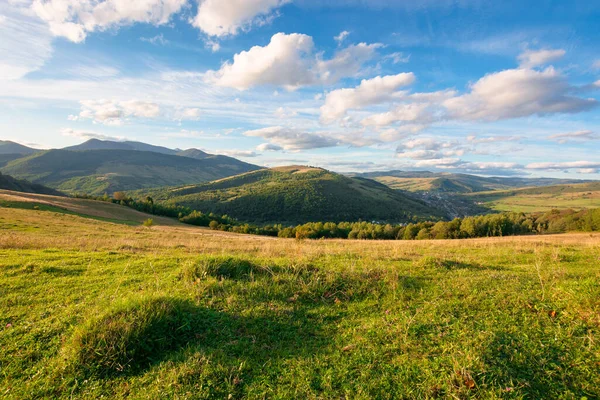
x=490 y=225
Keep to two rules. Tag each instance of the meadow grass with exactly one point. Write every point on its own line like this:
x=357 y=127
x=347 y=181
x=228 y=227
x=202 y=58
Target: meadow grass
x=90 y=308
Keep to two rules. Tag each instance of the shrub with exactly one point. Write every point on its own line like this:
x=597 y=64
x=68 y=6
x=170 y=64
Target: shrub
x=149 y=222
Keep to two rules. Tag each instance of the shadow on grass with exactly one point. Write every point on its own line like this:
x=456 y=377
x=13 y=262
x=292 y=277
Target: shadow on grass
x=130 y=339
x=449 y=264
x=538 y=369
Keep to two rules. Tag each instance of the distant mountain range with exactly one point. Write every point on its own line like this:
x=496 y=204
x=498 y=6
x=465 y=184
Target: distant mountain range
x=297 y=194
x=443 y=182
x=97 y=167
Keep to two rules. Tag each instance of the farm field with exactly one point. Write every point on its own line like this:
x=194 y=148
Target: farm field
x=577 y=196
x=92 y=308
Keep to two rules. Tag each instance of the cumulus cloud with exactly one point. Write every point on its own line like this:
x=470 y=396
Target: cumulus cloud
x=289 y=61
x=536 y=58
x=285 y=112
x=110 y=112
x=429 y=149
x=369 y=92
x=583 y=135
x=517 y=93
x=346 y=62
x=227 y=17
x=74 y=19
x=293 y=139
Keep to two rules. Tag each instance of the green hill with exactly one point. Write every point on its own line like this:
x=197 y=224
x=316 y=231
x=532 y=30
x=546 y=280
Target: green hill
x=100 y=171
x=443 y=182
x=296 y=195
x=575 y=196
x=96 y=144
x=18 y=185
x=8 y=147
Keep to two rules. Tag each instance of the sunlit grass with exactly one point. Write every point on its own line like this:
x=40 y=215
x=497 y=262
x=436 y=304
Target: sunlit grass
x=91 y=308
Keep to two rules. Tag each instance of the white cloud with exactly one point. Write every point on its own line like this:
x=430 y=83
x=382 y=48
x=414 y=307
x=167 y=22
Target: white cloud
x=89 y=134
x=517 y=93
x=429 y=149
x=596 y=64
x=155 y=40
x=292 y=139
x=341 y=37
x=283 y=62
x=492 y=139
x=564 y=165
x=397 y=58
x=268 y=147
x=285 y=112
x=289 y=61
x=237 y=153
x=584 y=135
x=587 y=170
x=227 y=17
x=74 y=19
x=536 y=58
x=25 y=42
x=346 y=62
x=413 y=113
x=369 y=92
x=110 y=112
x=192 y=114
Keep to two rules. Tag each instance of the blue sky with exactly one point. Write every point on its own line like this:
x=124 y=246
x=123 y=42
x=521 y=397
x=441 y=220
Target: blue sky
x=475 y=86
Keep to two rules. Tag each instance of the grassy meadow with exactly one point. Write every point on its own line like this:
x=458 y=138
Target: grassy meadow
x=92 y=308
x=576 y=196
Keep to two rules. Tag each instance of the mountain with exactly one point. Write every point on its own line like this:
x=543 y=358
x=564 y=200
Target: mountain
x=96 y=144
x=100 y=171
x=18 y=185
x=296 y=194
x=8 y=147
x=443 y=182
x=194 y=153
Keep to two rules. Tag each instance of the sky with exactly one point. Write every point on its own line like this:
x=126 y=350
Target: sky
x=508 y=88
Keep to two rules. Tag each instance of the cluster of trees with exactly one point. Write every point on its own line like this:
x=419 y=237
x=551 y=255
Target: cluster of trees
x=505 y=224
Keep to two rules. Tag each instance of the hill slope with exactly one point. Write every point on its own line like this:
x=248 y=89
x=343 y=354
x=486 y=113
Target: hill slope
x=575 y=196
x=424 y=181
x=96 y=144
x=100 y=171
x=8 y=147
x=297 y=195
x=19 y=185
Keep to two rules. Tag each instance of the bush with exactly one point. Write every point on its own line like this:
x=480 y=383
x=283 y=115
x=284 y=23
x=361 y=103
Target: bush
x=149 y=222
x=214 y=225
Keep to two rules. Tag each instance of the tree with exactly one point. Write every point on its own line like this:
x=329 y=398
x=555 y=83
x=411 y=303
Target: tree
x=119 y=196
x=214 y=225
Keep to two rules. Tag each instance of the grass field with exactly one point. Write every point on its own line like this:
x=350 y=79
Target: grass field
x=576 y=196
x=91 y=308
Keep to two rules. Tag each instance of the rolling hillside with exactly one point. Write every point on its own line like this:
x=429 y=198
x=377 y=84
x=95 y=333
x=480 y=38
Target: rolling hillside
x=575 y=196
x=296 y=195
x=94 y=209
x=8 y=147
x=100 y=171
x=425 y=181
x=9 y=183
